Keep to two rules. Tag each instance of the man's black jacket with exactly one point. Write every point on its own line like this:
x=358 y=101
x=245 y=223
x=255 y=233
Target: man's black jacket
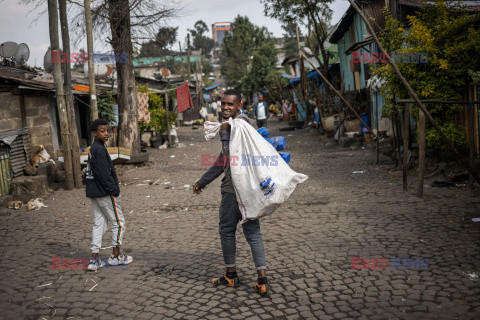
x=101 y=178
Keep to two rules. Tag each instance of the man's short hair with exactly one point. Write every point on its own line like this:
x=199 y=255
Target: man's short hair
x=233 y=92
x=98 y=122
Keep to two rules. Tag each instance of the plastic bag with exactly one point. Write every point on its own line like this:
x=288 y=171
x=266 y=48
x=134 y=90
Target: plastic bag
x=211 y=129
x=261 y=178
x=279 y=143
x=263 y=131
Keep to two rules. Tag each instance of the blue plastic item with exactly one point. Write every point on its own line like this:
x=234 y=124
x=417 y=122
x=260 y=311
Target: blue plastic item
x=263 y=131
x=366 y=119
x=270 y=141
x=279 y=143
x=285 y=156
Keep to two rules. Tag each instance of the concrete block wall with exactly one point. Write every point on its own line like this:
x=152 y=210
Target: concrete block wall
x=38 y=121
x=10 y=115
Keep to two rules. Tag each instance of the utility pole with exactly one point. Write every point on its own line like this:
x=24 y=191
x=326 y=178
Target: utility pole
x=183 y=69
x=62 y=110
x=189 y=67
x=168 y=119
x=77 y=170
x=91 y=71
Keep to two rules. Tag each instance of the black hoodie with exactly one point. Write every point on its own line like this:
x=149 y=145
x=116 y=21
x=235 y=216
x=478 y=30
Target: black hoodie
x=100 y=178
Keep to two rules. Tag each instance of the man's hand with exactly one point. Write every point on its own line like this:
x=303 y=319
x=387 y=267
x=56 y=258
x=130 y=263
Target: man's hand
x=197 y=189
x=225 y=125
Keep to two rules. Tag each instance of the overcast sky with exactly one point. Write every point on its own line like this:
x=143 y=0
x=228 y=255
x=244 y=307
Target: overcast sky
x=16 y=24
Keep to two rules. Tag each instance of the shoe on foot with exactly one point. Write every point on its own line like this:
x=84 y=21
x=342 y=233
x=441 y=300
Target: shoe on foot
x=120 y=260
x=229 y=282
x=95 y=264
x=263 y=289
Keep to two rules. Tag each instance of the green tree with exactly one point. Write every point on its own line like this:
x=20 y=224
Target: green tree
x=449 y=40
x=315 y=15
x=164 y=39
x=158 y=114
x=199 y=40
x=263 y=72
x=290 y=35
x=239 y=47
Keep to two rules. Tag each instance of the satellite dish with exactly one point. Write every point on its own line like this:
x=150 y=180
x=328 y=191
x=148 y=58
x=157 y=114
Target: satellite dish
x=47 y=61
x=9 y=49
x=23 y=54
x=165 y=72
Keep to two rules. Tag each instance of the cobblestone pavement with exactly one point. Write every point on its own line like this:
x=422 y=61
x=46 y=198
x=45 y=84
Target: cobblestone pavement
x=310 y=241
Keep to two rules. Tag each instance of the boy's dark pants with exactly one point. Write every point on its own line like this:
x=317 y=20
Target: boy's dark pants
x=229 y=217
x=261 y=123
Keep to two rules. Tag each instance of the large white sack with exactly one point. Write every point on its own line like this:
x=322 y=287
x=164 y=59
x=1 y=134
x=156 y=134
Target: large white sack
x=261 y=178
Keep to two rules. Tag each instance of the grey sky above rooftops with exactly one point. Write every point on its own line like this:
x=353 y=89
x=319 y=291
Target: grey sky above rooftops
x=18 y=25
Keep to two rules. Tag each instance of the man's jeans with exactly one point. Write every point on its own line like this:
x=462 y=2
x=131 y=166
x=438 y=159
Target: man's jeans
x=261 y=123
x=229 y=217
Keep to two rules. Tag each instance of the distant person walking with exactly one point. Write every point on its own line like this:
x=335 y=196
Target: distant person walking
x=217 y=105
x=260 y=112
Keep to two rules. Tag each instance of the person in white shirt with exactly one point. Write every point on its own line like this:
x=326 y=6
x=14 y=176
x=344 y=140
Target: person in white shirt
x=260 y=112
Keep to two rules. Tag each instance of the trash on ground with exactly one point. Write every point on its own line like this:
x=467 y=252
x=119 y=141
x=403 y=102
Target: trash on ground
x=167 y=182
x=172 y=156
x=148 y=197
x=359 y=171
x=35 y=204
x=164 y=146
x=44 y=285
x=192 y=144
x=472 y=276
x=476 y=219
x=186 y=186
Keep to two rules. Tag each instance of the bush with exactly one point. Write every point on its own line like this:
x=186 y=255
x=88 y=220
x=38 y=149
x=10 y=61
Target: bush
x=158 y=114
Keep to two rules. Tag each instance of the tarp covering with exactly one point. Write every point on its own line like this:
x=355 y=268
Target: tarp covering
x=212 y=87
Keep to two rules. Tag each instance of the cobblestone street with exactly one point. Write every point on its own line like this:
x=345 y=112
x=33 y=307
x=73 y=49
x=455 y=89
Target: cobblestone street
x=334 y=216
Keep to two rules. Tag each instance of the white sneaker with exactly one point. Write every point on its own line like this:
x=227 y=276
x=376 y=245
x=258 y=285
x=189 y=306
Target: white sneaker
x=95 y=264
x=121 y=260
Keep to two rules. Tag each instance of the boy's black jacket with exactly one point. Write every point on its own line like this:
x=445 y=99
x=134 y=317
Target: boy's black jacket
x=101 y=178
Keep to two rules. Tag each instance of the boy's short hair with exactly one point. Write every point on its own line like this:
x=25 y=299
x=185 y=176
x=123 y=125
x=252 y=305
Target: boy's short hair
x=96 y=123
x=233 y=92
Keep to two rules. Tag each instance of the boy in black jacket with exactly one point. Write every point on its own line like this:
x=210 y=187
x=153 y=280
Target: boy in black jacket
x=103 y=190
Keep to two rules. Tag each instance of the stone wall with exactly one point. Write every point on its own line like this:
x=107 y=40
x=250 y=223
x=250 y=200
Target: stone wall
x=37 y=110
x=10 y=116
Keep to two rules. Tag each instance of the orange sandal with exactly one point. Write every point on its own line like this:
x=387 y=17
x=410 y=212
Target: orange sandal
x=229 y=282
x=263 y=289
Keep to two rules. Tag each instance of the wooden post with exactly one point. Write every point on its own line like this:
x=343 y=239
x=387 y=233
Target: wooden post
x=168 y=120
x=377 y=127
x=72 y=124
x=339 y=94
x=189 y=67
x=471 y=134
x=449 y=143
x=61 y=105
x=406 y=135
x=91 y=71
x=421 y=152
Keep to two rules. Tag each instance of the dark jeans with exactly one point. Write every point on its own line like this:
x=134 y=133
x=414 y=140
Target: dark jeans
x=229 y=217
x=261 y=123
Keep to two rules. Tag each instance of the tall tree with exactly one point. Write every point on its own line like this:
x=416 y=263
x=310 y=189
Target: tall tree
x=263 y=72
x=290 y=35
x=200 y=41
x=238 y=47
x=128 y=132
x=315 y=15
x=160 y=46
